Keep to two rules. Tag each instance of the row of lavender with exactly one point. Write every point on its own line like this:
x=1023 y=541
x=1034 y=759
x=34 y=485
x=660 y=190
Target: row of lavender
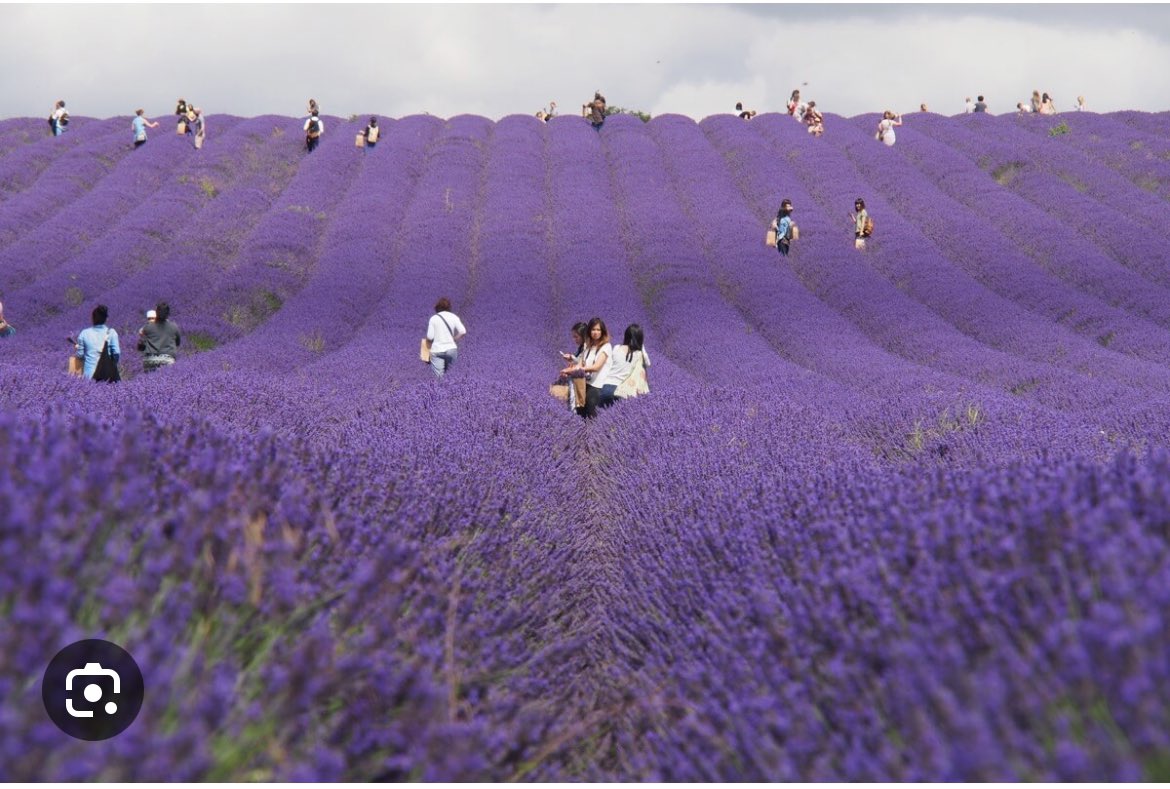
x=366 y=574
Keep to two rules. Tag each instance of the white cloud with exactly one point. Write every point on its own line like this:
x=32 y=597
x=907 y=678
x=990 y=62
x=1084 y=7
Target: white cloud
x=497 y=60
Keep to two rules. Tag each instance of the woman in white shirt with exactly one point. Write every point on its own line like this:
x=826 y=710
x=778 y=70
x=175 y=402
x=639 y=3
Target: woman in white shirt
x=443 y=330
x=627 y=373
x=885 y=131
x=594 y=365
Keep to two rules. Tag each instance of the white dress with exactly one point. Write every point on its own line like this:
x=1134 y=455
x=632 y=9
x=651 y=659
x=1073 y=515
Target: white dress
x=886 y=128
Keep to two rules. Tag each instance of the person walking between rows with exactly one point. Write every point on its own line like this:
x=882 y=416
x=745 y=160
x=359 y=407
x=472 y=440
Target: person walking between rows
x=371 y=133
x=627 y=374
x=862 y=224
x=98 y=346
x=140 y=125
x=784 y=226
x=443 y=332
x=159 y=339
x=885 y=129
x=314 y=128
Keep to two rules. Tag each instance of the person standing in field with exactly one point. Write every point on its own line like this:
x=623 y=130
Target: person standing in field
x=159 y=339
x=371 y=133
x=968 y=106
x=198 y=127
x=140 y=125
x=627 y=376
x=595 y=111
x=594 y=364
x=1035 y=101
x=861 y=225
x=784 y=225
x=314 y=128
x=1081 y=104
x=795 y=105
x=59 y=120
x=443 y=332
x=814 y=120
x=885 y=129
x=97 y=341
x=181 y=110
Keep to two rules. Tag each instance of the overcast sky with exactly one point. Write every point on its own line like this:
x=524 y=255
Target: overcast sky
x=497 y=60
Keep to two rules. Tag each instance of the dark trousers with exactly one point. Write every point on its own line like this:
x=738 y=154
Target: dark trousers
x=311 y=143
x=593 y=397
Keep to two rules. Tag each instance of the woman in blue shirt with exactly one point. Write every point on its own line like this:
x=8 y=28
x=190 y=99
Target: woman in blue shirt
x=140 y=123
x=784 y=225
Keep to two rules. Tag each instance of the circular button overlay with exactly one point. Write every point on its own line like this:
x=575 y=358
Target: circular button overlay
x=93 y=690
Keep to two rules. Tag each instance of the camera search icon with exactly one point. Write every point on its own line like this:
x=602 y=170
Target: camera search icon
x=93 y=689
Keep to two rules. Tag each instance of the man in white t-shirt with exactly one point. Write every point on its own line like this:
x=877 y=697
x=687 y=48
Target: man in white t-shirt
x=443 y=332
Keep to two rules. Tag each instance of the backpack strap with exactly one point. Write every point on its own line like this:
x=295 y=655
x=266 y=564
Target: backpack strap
x=444 y=320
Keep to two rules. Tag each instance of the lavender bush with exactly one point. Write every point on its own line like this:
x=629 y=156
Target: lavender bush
x=898 y=514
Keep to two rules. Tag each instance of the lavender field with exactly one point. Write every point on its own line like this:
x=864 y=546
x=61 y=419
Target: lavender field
x=893 y=515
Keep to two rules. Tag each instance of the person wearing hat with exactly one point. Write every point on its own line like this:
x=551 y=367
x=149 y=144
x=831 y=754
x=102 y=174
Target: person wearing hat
x=6 y=329
x=159 y=339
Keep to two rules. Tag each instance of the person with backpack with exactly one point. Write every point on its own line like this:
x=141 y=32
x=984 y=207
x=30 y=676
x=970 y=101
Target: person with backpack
x=159 y=339
x=139 y=125
x=59 y=119
x=784 y=226
x=98 y=346
x=314 y=128
x=885 y=129
x=371 y=133
x=181 y=110
x=862 y=224
x=443 y=332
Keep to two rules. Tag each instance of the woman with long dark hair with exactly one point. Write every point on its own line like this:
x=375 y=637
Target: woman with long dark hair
x=594 y=365
x=627 y=375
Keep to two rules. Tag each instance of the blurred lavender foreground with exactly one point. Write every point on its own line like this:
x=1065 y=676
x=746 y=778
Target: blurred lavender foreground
x=900 y=515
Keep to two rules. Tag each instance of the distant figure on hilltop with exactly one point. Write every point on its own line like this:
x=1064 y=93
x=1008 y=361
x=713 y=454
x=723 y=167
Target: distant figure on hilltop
x=1024 y=109
x=543 y=114
x=182 y=111
x=968 y=106
x=814 y=120
x=795 y=105
x=59 y=119
x=595 y=111
x=139 y=125
x=198 y=128
x=885 y=129
x=981 y=105
x=1081 y=104
x=922 y=107
x=746 y=115
x=1046 y=105
x=314 y=128
x=370 y=134
x=313 y=109
x=1035 y=101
